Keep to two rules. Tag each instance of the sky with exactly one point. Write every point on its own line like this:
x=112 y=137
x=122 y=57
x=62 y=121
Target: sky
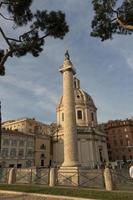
x=32 y=86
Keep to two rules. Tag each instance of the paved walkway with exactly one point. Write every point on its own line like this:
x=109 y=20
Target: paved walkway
x=9 y=195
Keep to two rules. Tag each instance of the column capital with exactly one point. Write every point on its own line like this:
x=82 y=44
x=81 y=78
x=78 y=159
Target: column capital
x=67 y=64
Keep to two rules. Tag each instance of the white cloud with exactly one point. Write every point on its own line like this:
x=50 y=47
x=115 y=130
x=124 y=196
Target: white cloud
x=30 y=86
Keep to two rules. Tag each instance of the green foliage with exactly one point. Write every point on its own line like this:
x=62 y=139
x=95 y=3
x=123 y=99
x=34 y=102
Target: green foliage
x=106 y=13
x=56 y=28
x=41 y=25
x=20 y=11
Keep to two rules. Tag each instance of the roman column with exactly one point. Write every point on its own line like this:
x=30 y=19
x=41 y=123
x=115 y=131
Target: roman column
x=70 y=130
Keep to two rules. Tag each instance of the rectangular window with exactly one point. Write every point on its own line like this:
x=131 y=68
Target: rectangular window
x=21 y=143
x=121 y=142
x=30 y=130
x=6 y=142
x=30 y=144
x=4 y=152
x=29 y=152
x=79 y=114
x=13 y=152
x=14 y=142
x=92 y=116
x=124 y=158
x=62 y=116
x=21 y=152
x=43 y=147
x=108 y=145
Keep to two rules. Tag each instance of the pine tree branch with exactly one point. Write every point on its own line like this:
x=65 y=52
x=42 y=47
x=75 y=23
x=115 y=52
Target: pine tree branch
x=11 y=19
x=13 y=39
x=6 y=55
x=44 y=36
x=6 y=3
x=21 y=36
x=123 y=25
x=114 y=19
x=6 y=39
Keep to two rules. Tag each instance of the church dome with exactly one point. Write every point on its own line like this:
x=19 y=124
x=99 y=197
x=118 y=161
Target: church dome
x=82 y=97
x=84 y=106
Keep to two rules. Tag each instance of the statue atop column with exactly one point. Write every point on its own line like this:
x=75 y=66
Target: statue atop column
x=67 y=56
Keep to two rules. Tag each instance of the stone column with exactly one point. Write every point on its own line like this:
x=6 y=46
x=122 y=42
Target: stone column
x=70 y=130
x=12 y=176
x=52 y=177
x=108 y=179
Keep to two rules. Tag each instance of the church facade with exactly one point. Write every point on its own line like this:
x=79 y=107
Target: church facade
x=92 y=148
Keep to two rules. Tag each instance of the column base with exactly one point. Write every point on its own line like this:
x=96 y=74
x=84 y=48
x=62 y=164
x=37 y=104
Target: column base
x=78 y=176
x=70 y=164
x=68 y=176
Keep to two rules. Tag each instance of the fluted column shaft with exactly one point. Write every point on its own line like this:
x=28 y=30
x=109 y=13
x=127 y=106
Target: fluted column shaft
x=70 y=130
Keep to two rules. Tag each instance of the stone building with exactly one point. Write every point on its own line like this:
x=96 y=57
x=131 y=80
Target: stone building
x=17 y=149
x=27 y=125
x=41 y=138
x=92 y=149
x=42 y=150
x=119 y=139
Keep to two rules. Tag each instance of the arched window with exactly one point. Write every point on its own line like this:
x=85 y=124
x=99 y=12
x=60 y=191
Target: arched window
x=92 y=116
x=62 y=116
x=42 y=163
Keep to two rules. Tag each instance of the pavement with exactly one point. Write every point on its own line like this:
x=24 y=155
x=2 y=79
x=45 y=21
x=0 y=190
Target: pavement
x=10 y=195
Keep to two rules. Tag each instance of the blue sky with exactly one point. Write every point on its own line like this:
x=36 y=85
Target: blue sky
x=32 y=86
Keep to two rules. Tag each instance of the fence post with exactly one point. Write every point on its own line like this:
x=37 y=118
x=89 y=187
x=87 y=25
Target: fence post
x=52 y=177
x=108 y=179
x=31 y=176
x=12 y=176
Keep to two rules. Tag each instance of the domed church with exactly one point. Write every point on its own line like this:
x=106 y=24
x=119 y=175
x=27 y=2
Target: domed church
x=92 y=148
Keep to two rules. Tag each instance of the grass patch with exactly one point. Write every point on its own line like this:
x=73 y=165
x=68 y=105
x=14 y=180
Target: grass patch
x=73 y=192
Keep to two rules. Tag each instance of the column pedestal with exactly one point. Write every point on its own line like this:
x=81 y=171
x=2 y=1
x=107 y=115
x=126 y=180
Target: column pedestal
x=79 y=176
x=68 y=176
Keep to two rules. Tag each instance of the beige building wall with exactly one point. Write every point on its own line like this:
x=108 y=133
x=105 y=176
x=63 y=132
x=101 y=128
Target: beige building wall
x=41 y=133
x=42 y=151
x=17 y=149
x=27 y=125
x=92 y=147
